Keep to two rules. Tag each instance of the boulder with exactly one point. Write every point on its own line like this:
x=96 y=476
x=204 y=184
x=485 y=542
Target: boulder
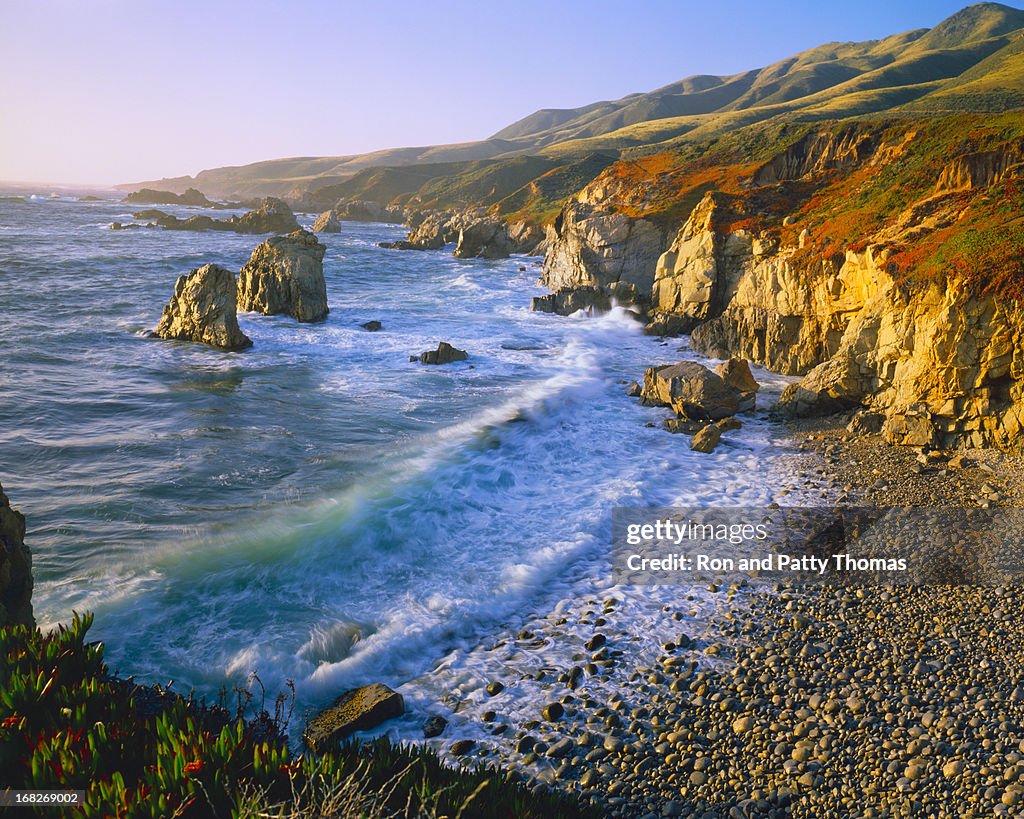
x=371 y=326
x=327 y=222
x=833 y=386
x=285 y=275
x=736 y=373
x=692 y=390
x=910 y=428
x=486 y=239
x=203 y=309
x=865 y=422
x=708 y=438
x=15 y=568
x=357 y=710
x=272 y=216
x=444 y=354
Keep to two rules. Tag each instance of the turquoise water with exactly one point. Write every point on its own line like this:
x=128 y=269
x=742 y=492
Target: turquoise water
x=317 y=508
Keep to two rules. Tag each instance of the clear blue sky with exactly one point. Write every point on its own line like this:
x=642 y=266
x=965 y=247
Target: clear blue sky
x=106 y=91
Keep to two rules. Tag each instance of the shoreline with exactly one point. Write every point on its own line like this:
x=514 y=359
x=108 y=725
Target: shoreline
x=798 y=701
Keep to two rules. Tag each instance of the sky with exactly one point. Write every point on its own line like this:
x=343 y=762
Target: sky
x=110 y=91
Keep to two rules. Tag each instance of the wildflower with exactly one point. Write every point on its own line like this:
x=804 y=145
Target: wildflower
x=194 y=767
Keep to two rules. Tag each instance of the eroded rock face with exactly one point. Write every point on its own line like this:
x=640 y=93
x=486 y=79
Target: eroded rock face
x=327 y=222
x=484 y=238
x=357 y=710
x=858 y=336
x=15 y=568
x=691 y=389
x=202 y=309
x=593 y=248
x=285 y=275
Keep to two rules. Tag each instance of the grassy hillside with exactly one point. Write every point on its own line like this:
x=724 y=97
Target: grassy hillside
x=972 y=61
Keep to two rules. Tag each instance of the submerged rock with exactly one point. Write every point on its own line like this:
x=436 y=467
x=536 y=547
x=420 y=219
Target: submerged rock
x=15 y=568
x=285 y=275
x=371 y=326
x=203 y=309
x=357 y=710
x=434 y=727
x=444 y=354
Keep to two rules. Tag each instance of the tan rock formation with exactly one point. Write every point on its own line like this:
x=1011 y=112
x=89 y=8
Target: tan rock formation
x=327 y=222
x=203 y=309
x=285 y=275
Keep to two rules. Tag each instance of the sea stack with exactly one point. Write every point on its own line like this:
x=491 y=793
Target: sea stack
x=202 y=309
x=285 y=275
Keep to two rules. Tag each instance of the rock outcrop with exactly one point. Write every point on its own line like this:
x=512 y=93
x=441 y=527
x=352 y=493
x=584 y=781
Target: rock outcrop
x=272 y=216
x=593 y=248
x=357 y=710
x=15 y=568
x=327 y=222
x=692 y=390
x=148 y=196
x=484 y=238
x=202 y=309
x=444 y=354
x=859 y=336
x=285 y=275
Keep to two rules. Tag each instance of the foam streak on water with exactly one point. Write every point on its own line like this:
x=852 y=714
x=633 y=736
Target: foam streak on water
x=317 y=508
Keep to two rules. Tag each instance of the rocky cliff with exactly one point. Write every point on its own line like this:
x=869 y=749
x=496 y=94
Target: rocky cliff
x=15 y=567
x=879 y=262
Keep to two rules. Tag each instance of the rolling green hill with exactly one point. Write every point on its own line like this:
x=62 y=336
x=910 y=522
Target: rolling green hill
x=971 y=62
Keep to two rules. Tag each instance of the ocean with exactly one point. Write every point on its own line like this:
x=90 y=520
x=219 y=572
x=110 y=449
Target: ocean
x=319 y=508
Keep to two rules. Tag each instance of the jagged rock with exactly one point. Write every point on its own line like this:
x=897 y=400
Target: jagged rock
x=203 y=309
x=710 y=436
x=683 y=426
x=444 y=354
x=358 y=210
x=833 y=386
x=589 y=299
x=150 y=213
x=527 y=238
x=371 y=326
x=910 y=428
x=590 y=247
x=357 y=710
x=272 y=216
x=634 y=390
x=285 y=274
x=865 y=422
x=736 y=373
x=486 y=238
x=15 y=568
x=327 y=222
x=691 y=389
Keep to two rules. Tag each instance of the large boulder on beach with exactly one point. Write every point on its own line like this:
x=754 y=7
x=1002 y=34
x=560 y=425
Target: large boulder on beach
x=913 y=427
x=833 y=386
x=357 y=710
x=285 y=275
x=691 y=389
x=327 y=222
x=485 y=239
x=15 y=568
x=272 y=216
x=202 y=309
